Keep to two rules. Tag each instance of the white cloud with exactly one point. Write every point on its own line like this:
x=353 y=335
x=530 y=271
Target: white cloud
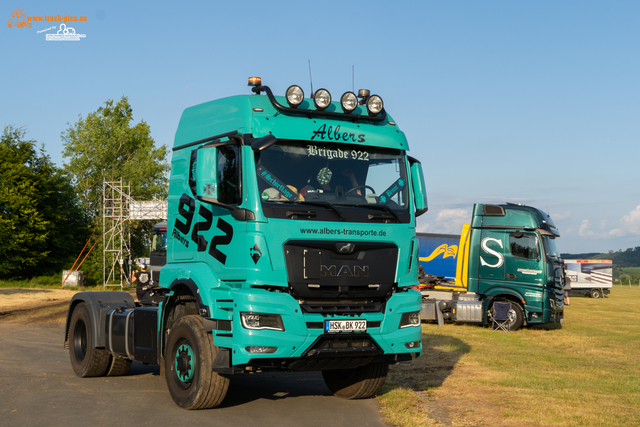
x=561 y=217
x=585 y=229
x=448 y=221
x=629 y=224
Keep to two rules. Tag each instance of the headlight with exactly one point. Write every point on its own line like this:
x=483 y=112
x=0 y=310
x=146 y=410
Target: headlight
x=294 y=95
x=259 y=321
x=374 y=105
x=322 y=99
x=349 y=102
x=410 y=319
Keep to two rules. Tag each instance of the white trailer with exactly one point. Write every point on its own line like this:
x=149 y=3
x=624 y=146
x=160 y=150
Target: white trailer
x=591 y=277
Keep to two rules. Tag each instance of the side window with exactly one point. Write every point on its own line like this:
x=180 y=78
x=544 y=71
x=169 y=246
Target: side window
x=229 y=190
x=524 y=245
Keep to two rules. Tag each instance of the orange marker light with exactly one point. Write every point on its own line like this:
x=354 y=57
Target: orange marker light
x=255 y=81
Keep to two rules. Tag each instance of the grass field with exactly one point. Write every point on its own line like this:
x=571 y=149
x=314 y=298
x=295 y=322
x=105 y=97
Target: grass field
x=586 y=373
x=630 y=270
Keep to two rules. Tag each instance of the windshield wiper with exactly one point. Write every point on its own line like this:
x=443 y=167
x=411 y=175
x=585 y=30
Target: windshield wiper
x=326 y=205
x=383 y=207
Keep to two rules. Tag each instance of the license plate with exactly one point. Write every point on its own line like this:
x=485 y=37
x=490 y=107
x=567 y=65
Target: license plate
x=345 y=325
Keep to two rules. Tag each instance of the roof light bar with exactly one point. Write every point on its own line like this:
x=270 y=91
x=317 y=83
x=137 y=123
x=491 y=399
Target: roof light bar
x=322 y=99
x=294 y=95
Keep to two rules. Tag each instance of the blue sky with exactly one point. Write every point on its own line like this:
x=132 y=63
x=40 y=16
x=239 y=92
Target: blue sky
x=536 y=102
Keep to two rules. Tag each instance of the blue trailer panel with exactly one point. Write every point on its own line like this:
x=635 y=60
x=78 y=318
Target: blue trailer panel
x=439 y=253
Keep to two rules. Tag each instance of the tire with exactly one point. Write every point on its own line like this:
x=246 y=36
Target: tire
x=517 y=317
x=358 y=383
x=595 y=293
x=188 y=366
x=86 y=360
x=118 y=366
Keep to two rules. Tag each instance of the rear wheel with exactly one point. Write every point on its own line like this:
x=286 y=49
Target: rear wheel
x=118 y=366
x=86 y=360
x=188 y=366
x=358 y=383
x=595 y=293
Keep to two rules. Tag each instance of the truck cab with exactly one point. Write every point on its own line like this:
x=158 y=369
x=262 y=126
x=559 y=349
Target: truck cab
x=291 y=246
x=508 y=253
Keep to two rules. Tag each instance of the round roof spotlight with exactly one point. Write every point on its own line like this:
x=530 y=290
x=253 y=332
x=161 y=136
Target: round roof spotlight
x=294 y=95
x=374 y=105
x=349 y=102
x=322 y=99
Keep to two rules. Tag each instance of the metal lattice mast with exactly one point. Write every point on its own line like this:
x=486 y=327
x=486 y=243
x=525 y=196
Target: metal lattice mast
x=117 y=233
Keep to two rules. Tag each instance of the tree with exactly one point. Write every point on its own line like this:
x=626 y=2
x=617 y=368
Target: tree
x=41 y=225
x=106 y=145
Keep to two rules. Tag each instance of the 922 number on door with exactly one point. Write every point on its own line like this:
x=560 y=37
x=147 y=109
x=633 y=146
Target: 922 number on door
x=186 y=209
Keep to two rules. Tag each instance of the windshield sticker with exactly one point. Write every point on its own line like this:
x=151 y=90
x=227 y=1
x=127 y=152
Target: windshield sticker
x=286 y=191
x=331 y=134
x=392 y=190
x=336 y=153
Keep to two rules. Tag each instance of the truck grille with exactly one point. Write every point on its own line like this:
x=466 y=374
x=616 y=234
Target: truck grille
x=341 y=277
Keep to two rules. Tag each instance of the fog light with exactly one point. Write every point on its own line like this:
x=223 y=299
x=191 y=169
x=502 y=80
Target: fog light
x=256 y=349
x=374 y=104
x=413 y=344
x=294 y=95
x=259 y=321
x=349 y=102
x=410 y=319
x=322 y=99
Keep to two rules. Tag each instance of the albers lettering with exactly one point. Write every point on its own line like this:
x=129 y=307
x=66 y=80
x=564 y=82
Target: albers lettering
x=331 y=134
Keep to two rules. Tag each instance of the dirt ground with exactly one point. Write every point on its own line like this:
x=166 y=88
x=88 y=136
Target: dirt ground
x=436 y=381
x=32 y=305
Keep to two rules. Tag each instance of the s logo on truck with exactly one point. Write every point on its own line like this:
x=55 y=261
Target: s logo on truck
x=492 y=252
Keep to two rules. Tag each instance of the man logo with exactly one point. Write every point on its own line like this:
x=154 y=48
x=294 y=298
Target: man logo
x=345 y=247
x=332 y=270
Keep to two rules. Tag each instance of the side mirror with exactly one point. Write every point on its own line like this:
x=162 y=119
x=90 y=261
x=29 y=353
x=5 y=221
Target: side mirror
x=263 y=143
x=206 y=173
x=419 y=187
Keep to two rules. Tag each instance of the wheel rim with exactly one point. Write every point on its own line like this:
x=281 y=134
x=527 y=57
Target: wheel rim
x=184 y=363
x=80 y=340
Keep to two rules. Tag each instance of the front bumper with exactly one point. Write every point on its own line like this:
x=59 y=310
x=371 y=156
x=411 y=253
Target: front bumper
x=304 y=339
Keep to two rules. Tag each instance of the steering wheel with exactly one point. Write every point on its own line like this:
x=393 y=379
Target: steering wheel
x=359 y=187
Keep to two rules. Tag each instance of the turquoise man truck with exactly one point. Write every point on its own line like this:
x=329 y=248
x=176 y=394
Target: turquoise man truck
x=508 y=253
x=290 y=247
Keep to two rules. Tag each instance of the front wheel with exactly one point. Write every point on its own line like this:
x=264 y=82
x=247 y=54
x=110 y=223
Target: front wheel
x=358 y=383
x=188 y=366
x=595 y=293
x=86 y=360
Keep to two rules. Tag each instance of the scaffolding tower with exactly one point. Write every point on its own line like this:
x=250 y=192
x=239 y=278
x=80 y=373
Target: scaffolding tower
x=118 y=210
x=116 y=198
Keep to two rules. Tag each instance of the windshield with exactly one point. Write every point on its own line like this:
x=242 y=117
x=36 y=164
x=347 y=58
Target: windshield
x=550 y=247
x=159 y=242
x=329 y=177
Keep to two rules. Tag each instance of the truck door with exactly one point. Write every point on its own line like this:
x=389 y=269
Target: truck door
x=205 y=214
x=523 y=266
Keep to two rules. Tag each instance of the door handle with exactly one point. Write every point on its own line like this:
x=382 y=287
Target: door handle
x=511 y=276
